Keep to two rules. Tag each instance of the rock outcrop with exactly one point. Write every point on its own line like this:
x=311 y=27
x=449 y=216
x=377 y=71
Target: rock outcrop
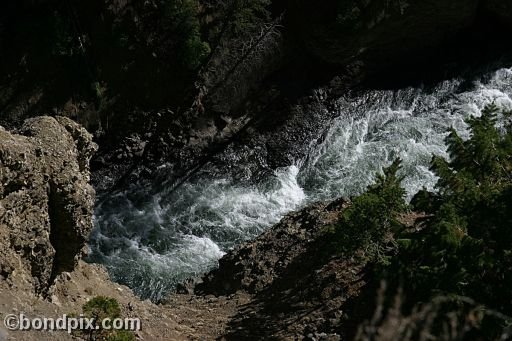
x=255 y=265
x=46 y=207
x=298 y=290
x=46 y=202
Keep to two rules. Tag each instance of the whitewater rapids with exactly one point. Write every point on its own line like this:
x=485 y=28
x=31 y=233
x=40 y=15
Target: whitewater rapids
x=151 y=242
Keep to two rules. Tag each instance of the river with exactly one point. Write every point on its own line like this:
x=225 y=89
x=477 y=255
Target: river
x=152 y=241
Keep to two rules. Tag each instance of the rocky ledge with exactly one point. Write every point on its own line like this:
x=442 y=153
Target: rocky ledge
x=46 y=208
x=283 y=285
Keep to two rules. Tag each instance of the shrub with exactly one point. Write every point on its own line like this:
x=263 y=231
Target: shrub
x=100 y=308
x=369 y=222
x=179 y=19
x=465 y=249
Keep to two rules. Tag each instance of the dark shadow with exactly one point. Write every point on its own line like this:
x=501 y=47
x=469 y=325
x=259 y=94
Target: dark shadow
x=314 y=286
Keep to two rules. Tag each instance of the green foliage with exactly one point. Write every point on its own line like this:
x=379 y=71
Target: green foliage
x=100 y=308
x=248 y=14
x=153 y=45
x=194 y=52
x=179 y=18
x=369 y=222
x=466 y=247
x=146 y=53
x=121 y=335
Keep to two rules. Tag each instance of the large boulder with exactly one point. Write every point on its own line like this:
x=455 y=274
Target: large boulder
x=46 y=202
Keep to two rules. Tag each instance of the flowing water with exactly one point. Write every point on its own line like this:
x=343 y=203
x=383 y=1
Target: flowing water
x=150 y=242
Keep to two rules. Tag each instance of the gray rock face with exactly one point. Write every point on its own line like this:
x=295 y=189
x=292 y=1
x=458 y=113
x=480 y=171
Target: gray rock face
x=46 y=202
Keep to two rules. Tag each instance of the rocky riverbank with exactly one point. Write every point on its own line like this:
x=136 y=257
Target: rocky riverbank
x=273 y=286
x=301 y=279
x=277 y=285
x=243 y=87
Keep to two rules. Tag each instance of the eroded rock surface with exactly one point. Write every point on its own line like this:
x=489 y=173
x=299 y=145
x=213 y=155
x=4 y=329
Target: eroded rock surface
x=297 y=291
x=46 y=202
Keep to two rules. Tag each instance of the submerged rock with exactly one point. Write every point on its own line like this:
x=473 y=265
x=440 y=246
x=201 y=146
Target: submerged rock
x=46 y=202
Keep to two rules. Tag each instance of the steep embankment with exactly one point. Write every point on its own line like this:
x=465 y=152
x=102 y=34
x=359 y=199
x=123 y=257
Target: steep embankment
x=46 y=213
x=297 y=289
x=244 y=74
x=291 y=282
x=155 y=91
x=46 y=205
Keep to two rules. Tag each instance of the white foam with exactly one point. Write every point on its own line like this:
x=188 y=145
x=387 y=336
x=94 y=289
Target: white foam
x=151 y=241
x=171 y=236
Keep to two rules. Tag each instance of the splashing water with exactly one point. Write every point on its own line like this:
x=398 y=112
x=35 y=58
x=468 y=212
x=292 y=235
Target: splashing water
x=151 y=242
